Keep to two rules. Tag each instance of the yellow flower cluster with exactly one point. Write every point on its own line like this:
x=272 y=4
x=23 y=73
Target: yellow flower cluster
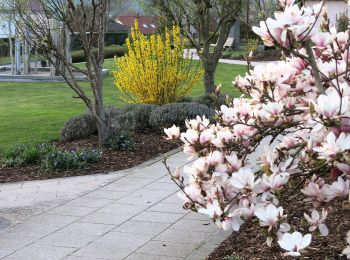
x=156 y=70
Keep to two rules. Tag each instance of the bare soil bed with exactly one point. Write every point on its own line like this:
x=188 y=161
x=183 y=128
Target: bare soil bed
x=147 y=146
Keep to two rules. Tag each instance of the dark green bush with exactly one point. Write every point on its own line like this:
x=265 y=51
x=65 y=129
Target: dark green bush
x=135 y=118
x=121 y=141
x=79 y=127
x=109 y=52
x=177 y=113
x=69 y=160
x=116 y=38
x=212 y=100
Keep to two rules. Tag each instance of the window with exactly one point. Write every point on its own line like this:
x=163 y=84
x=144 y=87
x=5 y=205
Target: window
x=152 y=25
x=145 y=25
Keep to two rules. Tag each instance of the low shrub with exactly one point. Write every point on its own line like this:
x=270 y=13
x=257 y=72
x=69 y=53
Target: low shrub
x=67 y=160
x=135 y=118
x=24 y=154
x=79 y=127
x=212 y=100
x=121 y=141
x=177 y=113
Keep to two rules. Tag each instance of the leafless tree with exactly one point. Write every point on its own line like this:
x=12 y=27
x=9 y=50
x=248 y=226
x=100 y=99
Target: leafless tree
x=47 y=26
x=208 y=18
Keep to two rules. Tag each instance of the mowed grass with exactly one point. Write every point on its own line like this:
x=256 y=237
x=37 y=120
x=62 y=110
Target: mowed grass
x=35 y=112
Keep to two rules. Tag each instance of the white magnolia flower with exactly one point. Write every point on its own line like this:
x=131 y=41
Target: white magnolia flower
x=244 y=178
x=317 y=221
x=346 y=251
x=294 y=243
x=213 y=209
x=269 y=215
x=172 y=132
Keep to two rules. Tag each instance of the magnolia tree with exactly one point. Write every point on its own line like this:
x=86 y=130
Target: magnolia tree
x=300 y=106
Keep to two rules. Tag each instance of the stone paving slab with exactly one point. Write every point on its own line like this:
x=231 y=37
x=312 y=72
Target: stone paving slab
x=133 y=214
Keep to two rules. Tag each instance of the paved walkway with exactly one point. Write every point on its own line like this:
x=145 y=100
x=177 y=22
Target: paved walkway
x=194 y=55
x=132 y=214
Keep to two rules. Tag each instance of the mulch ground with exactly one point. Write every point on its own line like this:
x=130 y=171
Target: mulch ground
x=147 y=146
x=249 y=242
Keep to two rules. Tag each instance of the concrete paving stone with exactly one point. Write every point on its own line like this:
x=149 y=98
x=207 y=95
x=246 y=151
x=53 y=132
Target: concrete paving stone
x=181 y=236
x=218 y=237
x=66 y=239
x=166 y=249
x=66 y=210
x=141 y=227
x=52 y=220
x=148 y=193
x=121 y=187
x=114 y=245
x=196 y=216
x=174 y=199
x=151 y=257
x=201 y=252
x=196 y=225
x=12 y=242
x=87 y=202
x=90 y=229
x=41 y=252
x=149 y=173
x=105 y=218
x=25 y=228
x=160 y=217
x=100 y=251
x=11 y=186
x=104 y=194
x=163 y=186
x=82 y=258
x=138 y=200
x=124 y=240
x=129 y=180
x=122 y=209
x=167 y=207
x=165 y=179
x=4 y=252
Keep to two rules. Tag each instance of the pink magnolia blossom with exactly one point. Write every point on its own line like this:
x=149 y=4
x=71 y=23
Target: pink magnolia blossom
x=333 y=146
x=336 y=107
x=172 y=132
x=317 y=221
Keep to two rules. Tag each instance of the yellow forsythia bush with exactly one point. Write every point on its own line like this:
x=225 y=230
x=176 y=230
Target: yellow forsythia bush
x=154 y=71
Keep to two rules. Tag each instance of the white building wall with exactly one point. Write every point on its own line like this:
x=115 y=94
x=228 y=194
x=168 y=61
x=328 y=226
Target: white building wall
x=333 y=8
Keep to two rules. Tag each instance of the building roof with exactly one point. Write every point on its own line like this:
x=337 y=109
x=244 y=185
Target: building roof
x=147 y=24
x=114 y=27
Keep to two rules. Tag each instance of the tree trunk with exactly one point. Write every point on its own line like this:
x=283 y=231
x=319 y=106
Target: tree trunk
x=103 y=126
x=209 y=76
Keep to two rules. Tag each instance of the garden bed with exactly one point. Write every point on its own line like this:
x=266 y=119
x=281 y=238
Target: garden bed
x=147 y=146
x=250 y=242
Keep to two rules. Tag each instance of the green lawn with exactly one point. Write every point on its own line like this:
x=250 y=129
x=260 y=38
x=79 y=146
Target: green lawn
x=34 y=112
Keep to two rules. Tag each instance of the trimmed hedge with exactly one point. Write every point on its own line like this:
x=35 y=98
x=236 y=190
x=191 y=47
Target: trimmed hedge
x=109 y=52
x=177 y=113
